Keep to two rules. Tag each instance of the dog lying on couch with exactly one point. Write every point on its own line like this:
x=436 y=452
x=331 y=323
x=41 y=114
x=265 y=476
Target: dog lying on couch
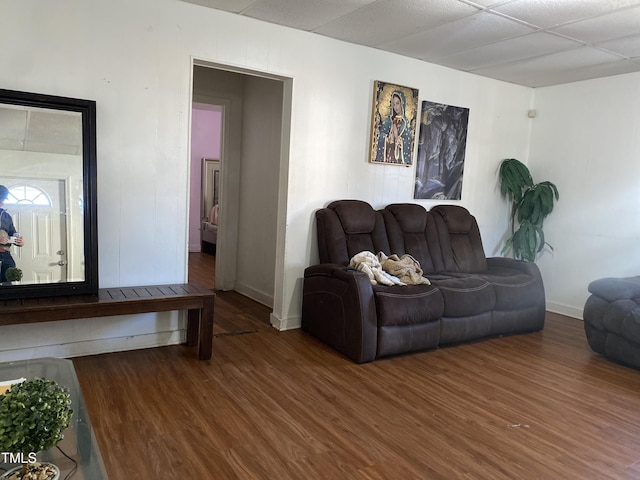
x=468 y=296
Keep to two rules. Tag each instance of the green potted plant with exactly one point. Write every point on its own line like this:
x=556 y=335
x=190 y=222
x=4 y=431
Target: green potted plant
x=531 y=203
x=13 y=274
x=33 y=417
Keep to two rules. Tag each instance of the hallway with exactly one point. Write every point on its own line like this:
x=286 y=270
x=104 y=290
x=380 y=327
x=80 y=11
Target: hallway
x=235 y=314
x=202 y=269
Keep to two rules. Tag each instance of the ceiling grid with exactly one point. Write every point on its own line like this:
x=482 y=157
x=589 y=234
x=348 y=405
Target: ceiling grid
x=533 y=43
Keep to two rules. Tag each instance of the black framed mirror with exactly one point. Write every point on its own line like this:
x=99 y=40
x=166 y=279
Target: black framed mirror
x=48 y=166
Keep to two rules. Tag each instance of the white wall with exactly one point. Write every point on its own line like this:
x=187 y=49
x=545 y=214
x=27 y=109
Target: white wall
x=134 y=57
x=259 y=183
x=585 y=139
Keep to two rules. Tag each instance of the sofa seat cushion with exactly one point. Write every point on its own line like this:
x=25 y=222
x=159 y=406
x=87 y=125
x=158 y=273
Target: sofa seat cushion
x=393 y=340
x=514 y=289
x=407 y=305
x=464 y=295
x=462 y=329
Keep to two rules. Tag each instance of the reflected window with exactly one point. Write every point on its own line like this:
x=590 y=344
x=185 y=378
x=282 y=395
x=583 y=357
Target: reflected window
x=27 y=195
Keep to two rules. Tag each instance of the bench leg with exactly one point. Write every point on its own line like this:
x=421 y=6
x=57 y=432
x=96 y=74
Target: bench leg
x=193 y=327
x=206 y=329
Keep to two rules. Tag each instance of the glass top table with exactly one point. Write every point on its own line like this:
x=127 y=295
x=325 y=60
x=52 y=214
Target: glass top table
x=79 y=442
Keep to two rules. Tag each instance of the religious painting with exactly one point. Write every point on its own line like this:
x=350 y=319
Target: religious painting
x=442 y=142
x=393 y=124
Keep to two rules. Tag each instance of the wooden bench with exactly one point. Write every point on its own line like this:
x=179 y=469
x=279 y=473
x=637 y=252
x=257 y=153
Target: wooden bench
x=194 y=298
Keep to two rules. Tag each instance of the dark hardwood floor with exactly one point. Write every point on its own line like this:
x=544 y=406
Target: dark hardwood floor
x=233 y=311
x=281 y=405
x=202 y=269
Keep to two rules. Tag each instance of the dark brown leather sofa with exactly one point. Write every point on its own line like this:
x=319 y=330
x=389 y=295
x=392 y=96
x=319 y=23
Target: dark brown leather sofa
x=470 y=296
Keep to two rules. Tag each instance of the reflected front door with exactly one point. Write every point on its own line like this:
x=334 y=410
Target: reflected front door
x=43 y=259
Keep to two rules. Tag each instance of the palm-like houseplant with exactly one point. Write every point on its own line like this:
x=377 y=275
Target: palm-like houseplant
x=33 y=417
x=531 y=203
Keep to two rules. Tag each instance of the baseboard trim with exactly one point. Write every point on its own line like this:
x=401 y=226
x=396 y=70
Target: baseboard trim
x=287 y=323
x=254 y=294
x=565 y=310
x=96 y=347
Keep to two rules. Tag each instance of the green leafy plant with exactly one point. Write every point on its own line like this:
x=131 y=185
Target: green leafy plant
x=531 y=204
x=13 y=274
x=33 y=416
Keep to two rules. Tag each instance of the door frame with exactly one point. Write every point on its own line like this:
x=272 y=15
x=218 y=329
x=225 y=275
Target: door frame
x=226 y=251
x=226 y=243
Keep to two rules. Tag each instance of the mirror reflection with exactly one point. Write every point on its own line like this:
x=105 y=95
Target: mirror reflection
x=41 y=170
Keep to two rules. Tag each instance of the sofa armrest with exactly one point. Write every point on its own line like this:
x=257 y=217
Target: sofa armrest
x=338 y=307
x=520 y=265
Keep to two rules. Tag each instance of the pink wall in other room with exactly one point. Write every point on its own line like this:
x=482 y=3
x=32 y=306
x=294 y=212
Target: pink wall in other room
x=206 y=125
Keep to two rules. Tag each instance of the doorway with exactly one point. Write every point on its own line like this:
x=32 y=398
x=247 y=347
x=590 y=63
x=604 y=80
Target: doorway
x=253 y=173
x=206 y=152
x=35 y=205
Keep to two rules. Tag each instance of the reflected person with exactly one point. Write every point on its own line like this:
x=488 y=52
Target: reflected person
x=8 y=236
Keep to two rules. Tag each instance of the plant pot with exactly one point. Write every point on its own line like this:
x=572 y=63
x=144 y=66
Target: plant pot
x=14 y=473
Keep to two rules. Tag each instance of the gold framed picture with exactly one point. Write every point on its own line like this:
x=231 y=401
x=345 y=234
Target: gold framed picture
x=393 y=124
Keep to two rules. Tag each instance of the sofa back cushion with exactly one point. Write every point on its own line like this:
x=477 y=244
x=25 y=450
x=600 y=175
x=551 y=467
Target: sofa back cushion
x=412 y=230
x=444 y=239
x=347 y=227
x=460 y=241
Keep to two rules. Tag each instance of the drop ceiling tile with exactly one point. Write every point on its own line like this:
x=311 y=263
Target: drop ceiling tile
x=461 y=35
x=561 y=67
x=557 y=77
x=11 y=144
x=488 y=3
x=614 y=25
x=550 y=13
x=628 y=46
x=304 y=15
x=13 y=124
x=234 y=6
x=55 y=128
x=387 y=20
x=464 y=34
x=519 y=48
x=46 y=147
x=606 y=69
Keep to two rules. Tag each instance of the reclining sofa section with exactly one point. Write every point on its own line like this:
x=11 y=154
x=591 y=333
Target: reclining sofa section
x=470 y=296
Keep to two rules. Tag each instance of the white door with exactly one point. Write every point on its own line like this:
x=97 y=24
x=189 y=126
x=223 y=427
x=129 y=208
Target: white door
x=43 y=259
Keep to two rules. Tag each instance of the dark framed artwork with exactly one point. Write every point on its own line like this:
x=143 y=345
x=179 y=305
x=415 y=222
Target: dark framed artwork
x=393 y=124
x=442 y=143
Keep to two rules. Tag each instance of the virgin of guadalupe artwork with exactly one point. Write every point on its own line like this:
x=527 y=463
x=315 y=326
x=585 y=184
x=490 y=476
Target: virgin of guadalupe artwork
x=393 y=125
x=442 y=143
